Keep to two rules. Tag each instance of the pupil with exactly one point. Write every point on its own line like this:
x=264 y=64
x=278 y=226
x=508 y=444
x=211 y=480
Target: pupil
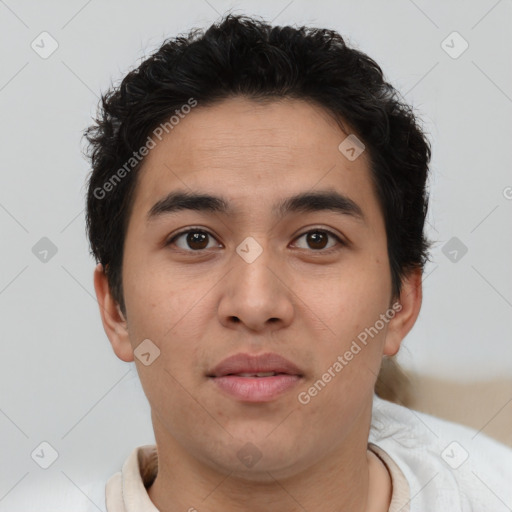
x=197 y=237
x=314 y=239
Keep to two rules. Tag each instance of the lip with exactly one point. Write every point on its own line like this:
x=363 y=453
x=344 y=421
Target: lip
x=247 y=363
x=255 y=389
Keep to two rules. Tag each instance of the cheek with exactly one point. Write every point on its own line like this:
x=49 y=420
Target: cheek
x=350 y=297
x=347 y=308
x=171 y=312
x=157 y=300
x=175 y=371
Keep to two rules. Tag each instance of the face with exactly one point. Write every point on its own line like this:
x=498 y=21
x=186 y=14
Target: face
x=240 y=275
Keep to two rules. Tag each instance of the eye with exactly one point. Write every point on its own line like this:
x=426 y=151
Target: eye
x=318 y=238
x=196 y=239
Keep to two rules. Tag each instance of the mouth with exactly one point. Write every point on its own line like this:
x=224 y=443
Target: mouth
x=260 y=378
x=259 y=374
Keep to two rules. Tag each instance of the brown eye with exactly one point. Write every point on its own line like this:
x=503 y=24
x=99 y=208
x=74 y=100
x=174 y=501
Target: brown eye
x=194 y=240
x=318 y=239
x=197 y=240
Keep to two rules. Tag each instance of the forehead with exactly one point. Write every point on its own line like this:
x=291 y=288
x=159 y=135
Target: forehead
x=244 y=128
x=252 y=152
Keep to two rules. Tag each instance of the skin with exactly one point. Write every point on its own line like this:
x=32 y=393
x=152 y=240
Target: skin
x=294 y=299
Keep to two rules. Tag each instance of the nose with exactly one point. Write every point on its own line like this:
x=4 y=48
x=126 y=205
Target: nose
x=256 y=294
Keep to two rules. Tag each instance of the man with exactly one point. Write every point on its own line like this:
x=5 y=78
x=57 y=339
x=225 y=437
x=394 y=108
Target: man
x=257 y=206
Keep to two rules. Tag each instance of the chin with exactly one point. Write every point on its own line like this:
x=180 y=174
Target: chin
x=254 y=458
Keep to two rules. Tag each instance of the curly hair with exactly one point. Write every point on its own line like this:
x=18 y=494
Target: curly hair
x=243 y=56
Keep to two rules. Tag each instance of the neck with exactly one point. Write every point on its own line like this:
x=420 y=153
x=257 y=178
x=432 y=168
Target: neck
x=347 y=478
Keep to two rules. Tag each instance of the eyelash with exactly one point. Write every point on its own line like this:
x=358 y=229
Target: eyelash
x=321 y=230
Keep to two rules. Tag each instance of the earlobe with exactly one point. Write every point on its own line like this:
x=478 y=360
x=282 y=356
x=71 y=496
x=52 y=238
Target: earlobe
x=114 y=322
x=407 y=311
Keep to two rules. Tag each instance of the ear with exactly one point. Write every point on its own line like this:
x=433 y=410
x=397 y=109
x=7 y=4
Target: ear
x=407 y=309
x=114 y=323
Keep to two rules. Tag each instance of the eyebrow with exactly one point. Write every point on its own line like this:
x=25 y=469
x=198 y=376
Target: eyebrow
x=305 y=202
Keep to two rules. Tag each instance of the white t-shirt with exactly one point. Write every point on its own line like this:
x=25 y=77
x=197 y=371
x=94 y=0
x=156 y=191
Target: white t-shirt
x=435 y=466
x=448 y=467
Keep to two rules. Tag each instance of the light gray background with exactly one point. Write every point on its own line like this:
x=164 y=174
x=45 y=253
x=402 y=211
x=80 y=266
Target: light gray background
x=60 y=380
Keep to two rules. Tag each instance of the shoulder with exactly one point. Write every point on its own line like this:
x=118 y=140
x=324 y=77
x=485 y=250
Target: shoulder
x=445 y=463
